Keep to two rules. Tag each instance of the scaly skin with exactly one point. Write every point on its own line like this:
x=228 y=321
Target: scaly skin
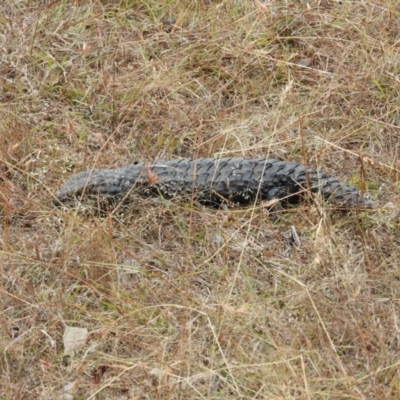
x=210 y=181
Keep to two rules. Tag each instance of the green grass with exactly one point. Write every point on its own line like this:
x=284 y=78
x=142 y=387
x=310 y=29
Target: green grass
x=182 y=301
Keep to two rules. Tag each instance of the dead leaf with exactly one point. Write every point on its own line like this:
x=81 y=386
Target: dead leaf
x=261 y=8
x=70 y=389
x=14 y=146
x=74 y=339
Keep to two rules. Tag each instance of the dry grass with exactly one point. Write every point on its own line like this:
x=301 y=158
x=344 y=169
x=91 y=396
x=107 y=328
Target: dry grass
x=182 y=301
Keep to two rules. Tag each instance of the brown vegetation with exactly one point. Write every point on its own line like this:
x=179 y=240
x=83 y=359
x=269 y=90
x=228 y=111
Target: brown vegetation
x=177 y=301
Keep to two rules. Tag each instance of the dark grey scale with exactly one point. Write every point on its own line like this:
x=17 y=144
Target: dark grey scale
x=189 y=181
x=161 y=174
x=279 y=171
x=263 y=167
x=244 y=197
x=96 y=182
x=127 y=184
x=202 y=178
x=290 y=167
x=211 y=180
